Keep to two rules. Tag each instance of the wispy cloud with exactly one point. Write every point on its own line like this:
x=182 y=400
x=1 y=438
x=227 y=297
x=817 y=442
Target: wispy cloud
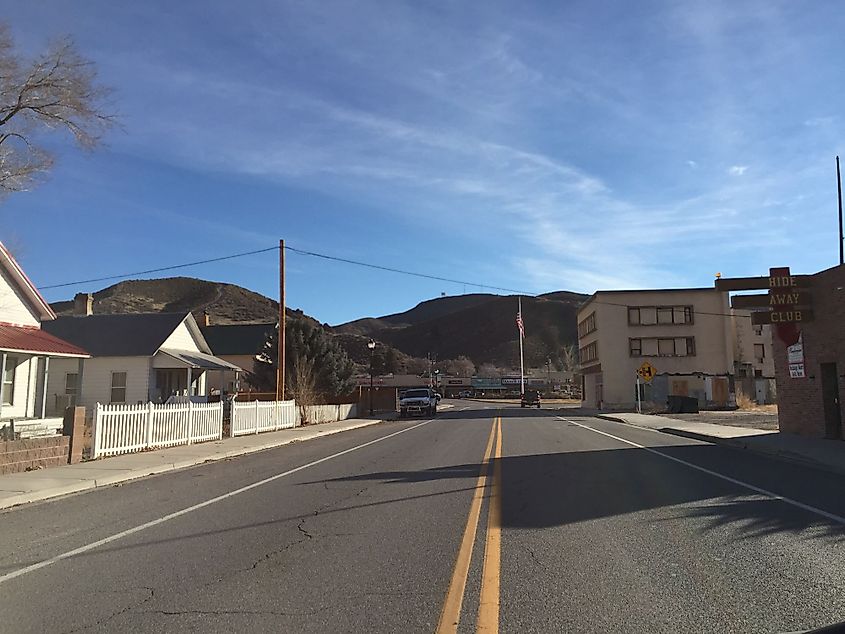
x=737 y=170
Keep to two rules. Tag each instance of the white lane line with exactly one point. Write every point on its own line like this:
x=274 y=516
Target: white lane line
x=166 y=518
x=806 y=507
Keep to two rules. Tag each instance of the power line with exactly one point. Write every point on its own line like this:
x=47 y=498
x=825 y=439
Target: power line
x=159 y=270
x=403 y=272
x=293 y=250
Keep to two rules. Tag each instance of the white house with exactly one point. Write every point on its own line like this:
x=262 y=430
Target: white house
x=28 y=353
x=134 y=358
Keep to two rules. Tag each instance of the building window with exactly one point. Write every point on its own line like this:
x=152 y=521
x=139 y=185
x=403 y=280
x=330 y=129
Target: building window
x=666 y=347
x=663 y=315
x=635 y=347
x=759 y=351
x=758 y=330
x=71 y=383
x=758 y=373
x=588 y=325
x=690 y=346
x=588 y=353
x=118 y=387
x=7 y=390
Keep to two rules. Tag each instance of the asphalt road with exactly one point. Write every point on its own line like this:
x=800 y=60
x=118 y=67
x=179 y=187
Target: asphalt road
x=503 y=519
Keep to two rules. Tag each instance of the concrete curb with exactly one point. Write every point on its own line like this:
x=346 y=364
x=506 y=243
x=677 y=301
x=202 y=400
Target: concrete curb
x=735 y=443
x=126 y=475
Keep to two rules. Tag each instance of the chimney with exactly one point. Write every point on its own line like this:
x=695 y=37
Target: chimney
x=83 y=304
x=206 y=319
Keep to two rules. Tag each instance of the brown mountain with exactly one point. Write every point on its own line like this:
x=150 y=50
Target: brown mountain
x=225 y=303
x=481 y=327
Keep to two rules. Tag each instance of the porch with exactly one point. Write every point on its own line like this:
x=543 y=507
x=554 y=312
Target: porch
x=181 y=374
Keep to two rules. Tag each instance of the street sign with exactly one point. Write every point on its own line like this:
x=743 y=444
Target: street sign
x=647 y=372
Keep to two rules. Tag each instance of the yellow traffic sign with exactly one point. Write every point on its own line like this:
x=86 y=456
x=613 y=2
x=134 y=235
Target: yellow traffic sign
x=647 y=372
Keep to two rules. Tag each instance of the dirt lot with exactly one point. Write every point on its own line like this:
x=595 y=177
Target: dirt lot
x=759 y=418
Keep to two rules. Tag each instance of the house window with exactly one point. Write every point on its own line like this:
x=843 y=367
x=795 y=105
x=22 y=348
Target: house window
x=759 y=351
x=666 y=347
x=635 y=347
x=664 y=315
x=633 y=316
x=118 y=387
x=71 y=383
x=7 y=390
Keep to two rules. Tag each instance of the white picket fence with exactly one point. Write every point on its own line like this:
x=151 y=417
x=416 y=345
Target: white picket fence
x=123 y=428
x=257 y=416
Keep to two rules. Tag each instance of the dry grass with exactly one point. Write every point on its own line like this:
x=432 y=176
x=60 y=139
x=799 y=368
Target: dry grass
x=743 y=401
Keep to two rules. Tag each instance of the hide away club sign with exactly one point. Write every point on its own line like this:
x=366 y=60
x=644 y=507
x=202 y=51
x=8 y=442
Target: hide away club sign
x=787 y=305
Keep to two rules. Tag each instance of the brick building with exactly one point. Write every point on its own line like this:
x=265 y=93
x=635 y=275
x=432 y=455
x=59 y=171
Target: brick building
x=812 y=406
x=807 y=316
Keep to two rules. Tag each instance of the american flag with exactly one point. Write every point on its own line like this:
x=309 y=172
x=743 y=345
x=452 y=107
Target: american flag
x=520 y=325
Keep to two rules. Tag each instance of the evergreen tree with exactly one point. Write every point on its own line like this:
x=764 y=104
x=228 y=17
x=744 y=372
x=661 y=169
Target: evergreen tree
x=306 y=347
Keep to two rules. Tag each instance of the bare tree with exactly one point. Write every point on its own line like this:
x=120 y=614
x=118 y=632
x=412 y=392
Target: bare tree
x=56 y=90
x=302 y=386
x=569 y=358
x=462 y=366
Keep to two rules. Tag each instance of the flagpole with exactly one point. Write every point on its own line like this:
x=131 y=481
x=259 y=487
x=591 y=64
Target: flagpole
x=521 y=359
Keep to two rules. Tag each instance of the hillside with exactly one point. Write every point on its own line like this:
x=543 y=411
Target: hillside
x=225 y=303
x=479 y=326
x=429 y=309
x=486 y=332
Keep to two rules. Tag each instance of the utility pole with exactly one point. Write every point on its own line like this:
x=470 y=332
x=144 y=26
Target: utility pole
x=280 y=371
x=841 y=236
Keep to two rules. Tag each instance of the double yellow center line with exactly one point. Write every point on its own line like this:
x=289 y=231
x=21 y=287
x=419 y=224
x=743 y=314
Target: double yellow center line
x=488 y=609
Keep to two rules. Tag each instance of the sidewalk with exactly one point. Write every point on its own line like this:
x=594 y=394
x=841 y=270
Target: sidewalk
x=814 y=452
x=31 y=486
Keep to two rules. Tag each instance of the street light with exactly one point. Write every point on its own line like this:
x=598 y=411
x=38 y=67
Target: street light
x=371 y=344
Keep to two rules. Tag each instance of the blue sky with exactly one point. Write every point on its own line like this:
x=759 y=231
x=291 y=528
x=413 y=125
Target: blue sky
x=540 y=146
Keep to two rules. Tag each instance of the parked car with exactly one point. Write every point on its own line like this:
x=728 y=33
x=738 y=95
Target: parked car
x=531 y=398
x=465 y=394
x=422 y=401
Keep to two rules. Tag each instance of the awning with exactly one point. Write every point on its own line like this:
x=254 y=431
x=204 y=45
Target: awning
x=32 y=340
x=200 y=360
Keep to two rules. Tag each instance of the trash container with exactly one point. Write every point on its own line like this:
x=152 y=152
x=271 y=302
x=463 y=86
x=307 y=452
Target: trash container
x=682 y=404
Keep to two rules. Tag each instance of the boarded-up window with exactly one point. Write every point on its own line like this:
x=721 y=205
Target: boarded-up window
x=648 y=315
x=666 y=347
x=635 y=347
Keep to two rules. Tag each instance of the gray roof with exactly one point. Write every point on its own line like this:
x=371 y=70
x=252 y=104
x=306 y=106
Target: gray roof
x=123 y=335
x=199 y=359
x=236 y=339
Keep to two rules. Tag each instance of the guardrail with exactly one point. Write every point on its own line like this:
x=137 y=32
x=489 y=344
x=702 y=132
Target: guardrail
x=126 y=428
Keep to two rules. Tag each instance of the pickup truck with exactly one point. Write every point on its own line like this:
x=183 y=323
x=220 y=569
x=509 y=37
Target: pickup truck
x=422 y=401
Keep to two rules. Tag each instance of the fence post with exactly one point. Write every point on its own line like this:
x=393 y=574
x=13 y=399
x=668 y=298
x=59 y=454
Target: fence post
x=96 y=432
x=233 y=417
x=256 y=416
x=190 y=420
x=149 y=442
x=220 y=433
